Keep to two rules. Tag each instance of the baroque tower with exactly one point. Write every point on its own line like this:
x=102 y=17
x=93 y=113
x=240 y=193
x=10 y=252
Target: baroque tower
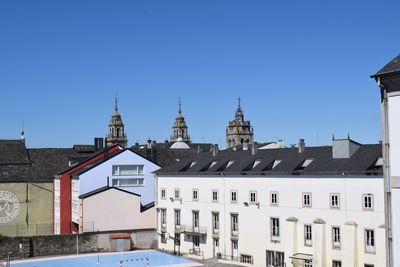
x=180 y=129
x=116 y=134
x=239 y=131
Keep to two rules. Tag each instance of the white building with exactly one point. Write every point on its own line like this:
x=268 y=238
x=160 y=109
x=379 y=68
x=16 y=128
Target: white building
x=388 y=79
x=306 y=206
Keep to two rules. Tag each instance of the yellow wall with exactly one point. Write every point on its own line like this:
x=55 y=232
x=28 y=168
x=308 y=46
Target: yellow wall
x=35 y=215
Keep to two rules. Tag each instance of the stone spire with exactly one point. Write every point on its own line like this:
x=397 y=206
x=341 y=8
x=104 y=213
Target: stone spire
x=239 y=131
x=180 y=130
x=116 y=134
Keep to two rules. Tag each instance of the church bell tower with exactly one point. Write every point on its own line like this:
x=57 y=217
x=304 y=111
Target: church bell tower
x=239 y=131
x=180 y=129
x=116 y=134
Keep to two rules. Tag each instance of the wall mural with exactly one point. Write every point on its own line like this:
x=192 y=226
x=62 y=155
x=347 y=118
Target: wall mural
x=9 y=206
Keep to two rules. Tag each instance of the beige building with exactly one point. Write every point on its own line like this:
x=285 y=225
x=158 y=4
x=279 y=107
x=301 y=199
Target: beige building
x=112 y=209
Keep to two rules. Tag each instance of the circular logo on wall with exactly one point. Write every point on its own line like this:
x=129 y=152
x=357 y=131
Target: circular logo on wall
x=9 y=206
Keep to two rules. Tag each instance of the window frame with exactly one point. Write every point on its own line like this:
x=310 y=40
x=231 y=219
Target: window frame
x=331 y=196
x=255 y=197
x=336 y=244
x=179 y=193
x=177 y=218
x=195 y=191
x=163 y=190
x=212 y=195
x=236 y=196
x=308 y=235
x=271 y=198
x=116 y=171
x=303 y=195
x=335 y=262
x=364 y=202
x=275 y=229
x=372 y=248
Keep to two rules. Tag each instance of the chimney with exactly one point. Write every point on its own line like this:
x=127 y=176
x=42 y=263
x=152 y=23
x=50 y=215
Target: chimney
x=214 y=150
x=136 y=143
x=166 y=141
x=234 y=148
x=23 y=137
x=98 y=143
x=245 y=146
x=254 y=148
x=149 y=143
x=344 y=148
x=302 y=145
x=154 y=141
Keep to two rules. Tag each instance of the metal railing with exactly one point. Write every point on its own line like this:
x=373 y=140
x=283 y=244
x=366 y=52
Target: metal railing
x=194 y=230
x=227 y=257
x=196 y=251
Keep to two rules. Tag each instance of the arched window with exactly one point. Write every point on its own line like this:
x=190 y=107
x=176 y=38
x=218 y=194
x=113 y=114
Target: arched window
x=118 y=132
x=241 y=140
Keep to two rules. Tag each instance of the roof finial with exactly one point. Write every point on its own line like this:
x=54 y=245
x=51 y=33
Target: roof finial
x=239 y=101
x=23 y=132
x=333 y=137
x=116 y=103
x=180 y=106
x=348 y=136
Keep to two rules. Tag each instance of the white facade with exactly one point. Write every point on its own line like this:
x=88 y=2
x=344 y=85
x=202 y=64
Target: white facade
x=269 y=224
x=394 y=140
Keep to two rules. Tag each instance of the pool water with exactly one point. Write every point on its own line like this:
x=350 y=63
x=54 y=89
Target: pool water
x=156 y=258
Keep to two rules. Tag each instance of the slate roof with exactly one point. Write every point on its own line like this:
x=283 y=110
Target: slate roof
x=391 y=67
x=19 y=164
x=13 y=152
x=162 y=155
x=323 y=163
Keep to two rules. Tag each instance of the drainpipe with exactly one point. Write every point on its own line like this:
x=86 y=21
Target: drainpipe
x=386 y=174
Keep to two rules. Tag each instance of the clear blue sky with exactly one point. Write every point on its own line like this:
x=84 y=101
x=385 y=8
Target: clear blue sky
x=301 y=67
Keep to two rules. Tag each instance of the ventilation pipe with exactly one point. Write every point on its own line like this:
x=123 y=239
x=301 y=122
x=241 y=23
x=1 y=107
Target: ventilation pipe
x=302 y=145
x=254 y=148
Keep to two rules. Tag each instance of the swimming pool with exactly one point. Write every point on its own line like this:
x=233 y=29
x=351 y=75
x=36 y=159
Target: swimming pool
x=130 y=259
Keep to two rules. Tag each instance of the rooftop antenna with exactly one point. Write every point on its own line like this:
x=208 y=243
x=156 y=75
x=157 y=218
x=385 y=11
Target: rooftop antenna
x=180 y=106
x=239 y=101
x=23 y=132
x=348 y=136
x=333 y=137
x=116 y=102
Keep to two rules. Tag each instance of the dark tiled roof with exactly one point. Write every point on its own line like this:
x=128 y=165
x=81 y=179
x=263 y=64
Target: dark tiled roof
x=13 y=152
x=162 y=155
x=391 y=67
x=147 y=206
x=323 y=163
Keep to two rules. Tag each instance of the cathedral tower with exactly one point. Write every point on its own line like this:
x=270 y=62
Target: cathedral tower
x=180 y=129
x=116 y=135
x=239 y=131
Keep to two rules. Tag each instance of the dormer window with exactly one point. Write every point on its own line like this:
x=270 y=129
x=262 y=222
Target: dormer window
x=378 y=164
x=226 y=165
x=213 y=164
x=230 y=163
x=304 y=164
x=256 y=162
x=272 y=165
x=192 y=164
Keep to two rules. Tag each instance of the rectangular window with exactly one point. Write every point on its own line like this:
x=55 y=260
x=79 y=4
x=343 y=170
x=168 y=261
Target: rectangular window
x=275 y=229
x=127 y=169
x=306 y=199
x=128 y=182
x=368 y=265
x=163 y=193
x=307 y=235
x=369 y=241
x=246 y=259
x=196 y=222
x=163 y=218
x=270 y=259
x=335 y=200
x=335 y=237
x=234 y=224
x=177 y=219
x=234 y=196
x=215 y=222
x=336 y=263
x=163 y=237
x=368 y=201
x=253 y=197
x=308 y=263
x=177 y=194
x=195 y=194
x=214 y=195
x=275 y=259
x=274 y=199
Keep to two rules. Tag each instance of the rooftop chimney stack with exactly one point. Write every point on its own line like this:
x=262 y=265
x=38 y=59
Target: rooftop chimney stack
x=254 y=148
x=215 y=150
x=98 y=143
x=149 y=143
x=344 y=148
x=245 y=146
x=302 y=145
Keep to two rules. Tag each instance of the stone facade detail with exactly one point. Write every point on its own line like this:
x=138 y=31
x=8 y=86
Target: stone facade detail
x=180 y=129
x=239 y=131
x=116 y=134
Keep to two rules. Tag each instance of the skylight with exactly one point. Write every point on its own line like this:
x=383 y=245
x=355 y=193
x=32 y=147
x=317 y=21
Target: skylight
x=192 y=164
x=213 y=163
x=306 y=162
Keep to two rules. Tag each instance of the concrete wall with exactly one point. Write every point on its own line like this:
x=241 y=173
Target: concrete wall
x=115 y=210
x=24 y=247
x=254 y=222
x=27 y=209
x=97 y=177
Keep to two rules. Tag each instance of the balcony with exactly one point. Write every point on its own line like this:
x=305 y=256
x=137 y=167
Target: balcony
x=190 y=229
x=178 y=228
x=235 y=234
x=215 y=232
